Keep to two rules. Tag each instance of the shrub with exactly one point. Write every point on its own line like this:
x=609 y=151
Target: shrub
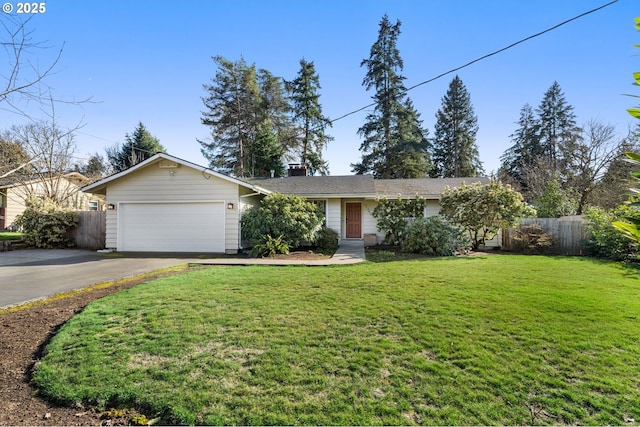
x=46 y=225
x=327 y=241
x=294 y=218
x=532 y=239
x=482 y=210
x=434 y=236
x=606 y=241
x=392 y=216
x=270 y=246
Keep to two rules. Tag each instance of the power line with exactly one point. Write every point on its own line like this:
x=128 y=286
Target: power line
x=453 y=70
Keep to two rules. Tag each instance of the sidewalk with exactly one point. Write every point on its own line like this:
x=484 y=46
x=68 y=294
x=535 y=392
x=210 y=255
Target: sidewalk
x=349 y=252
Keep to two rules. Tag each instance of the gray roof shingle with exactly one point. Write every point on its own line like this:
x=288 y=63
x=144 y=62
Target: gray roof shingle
x=319 y=186
x=425 y=187
x=360 y=186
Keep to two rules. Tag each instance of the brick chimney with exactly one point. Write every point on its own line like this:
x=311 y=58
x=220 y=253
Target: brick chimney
x=295 y=169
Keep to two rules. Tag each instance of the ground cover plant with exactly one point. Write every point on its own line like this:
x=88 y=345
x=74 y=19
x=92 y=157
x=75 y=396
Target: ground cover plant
x=484 y=340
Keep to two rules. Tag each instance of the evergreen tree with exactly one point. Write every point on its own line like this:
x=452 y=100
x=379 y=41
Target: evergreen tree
x=267 y=153
x=410 y=155
x=274 y=106
x=385 y=148
x=556 y=124
x=525 y=149
x=232 y=107
x=137 y=147
x=455 y=152
x=307 y=114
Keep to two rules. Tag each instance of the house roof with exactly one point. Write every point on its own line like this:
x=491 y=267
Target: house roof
x=425 y=187
x=18 y=179
x=362 y=186
x=99 y=187
x=320 y=186
x=343 y=186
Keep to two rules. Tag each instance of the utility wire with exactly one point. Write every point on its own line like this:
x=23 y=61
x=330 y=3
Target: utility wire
x=453 y=70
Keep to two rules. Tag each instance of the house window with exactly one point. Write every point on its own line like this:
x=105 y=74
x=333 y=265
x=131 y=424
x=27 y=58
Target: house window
x=93 y=205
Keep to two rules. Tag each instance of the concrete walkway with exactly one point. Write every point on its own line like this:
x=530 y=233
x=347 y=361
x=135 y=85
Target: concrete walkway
x=349 y=252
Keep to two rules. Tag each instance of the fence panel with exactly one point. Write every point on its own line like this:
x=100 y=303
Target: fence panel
x=568 y=233
x=92 y=230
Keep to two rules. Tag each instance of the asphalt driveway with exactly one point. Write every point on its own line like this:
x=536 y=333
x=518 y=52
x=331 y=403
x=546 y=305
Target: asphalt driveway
x=27 y=275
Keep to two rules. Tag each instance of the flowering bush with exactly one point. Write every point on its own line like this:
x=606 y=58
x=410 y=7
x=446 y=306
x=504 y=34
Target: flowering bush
x=393 y=216
x=46 y=225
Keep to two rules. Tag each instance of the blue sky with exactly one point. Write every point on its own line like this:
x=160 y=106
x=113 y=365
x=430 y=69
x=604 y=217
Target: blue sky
x=147 y=61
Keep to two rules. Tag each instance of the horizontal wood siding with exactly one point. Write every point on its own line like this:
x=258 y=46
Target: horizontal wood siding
x=155 y=184
x=333 y=215
x=369 y=223
x=432 y=208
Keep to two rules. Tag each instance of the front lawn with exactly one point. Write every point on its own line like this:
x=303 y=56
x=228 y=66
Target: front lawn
x=476 y=341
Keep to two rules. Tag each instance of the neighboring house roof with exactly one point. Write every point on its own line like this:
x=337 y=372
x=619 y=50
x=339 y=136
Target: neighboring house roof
x=430 y=188
x=100 y=186
x=17 y=179
x=320 y=186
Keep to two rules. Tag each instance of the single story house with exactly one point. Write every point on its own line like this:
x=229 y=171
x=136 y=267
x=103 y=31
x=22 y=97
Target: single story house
x=168 y=204
x=17 y=188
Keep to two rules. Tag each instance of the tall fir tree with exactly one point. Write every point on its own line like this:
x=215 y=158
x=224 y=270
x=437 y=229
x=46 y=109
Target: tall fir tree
x=308 y=117
x=539 y=144
x=241 y=101
x=137 y=147
x=275 y=107
x=267 y=152
x=232 y=108
x=392 y=145
x=556 y=124
x=525 y=149
x=455 y=152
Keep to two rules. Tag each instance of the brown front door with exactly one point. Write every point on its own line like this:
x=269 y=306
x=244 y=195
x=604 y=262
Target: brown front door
x=354 y=221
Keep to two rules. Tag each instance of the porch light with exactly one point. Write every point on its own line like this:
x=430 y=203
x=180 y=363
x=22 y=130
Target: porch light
x=230 y=206
x=111 y=207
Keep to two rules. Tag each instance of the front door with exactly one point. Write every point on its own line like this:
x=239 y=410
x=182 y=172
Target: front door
x=354 y=221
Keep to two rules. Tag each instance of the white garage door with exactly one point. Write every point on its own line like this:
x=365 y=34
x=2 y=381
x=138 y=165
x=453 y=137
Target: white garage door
x=171 y=227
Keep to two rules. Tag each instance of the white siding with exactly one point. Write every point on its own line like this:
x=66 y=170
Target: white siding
x=334 y=215
x=432 y=208
x=154 y=184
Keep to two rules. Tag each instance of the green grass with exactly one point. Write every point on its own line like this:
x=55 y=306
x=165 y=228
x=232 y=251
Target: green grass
x=475 y=341
x=10 y=235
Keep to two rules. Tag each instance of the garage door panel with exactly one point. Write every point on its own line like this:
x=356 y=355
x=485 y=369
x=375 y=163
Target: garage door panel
x=172 y=227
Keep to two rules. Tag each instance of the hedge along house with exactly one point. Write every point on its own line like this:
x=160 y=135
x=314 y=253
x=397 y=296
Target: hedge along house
x=166 y=204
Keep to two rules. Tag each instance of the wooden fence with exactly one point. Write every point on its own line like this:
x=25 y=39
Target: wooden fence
x=91 y=231
x=568 y=233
